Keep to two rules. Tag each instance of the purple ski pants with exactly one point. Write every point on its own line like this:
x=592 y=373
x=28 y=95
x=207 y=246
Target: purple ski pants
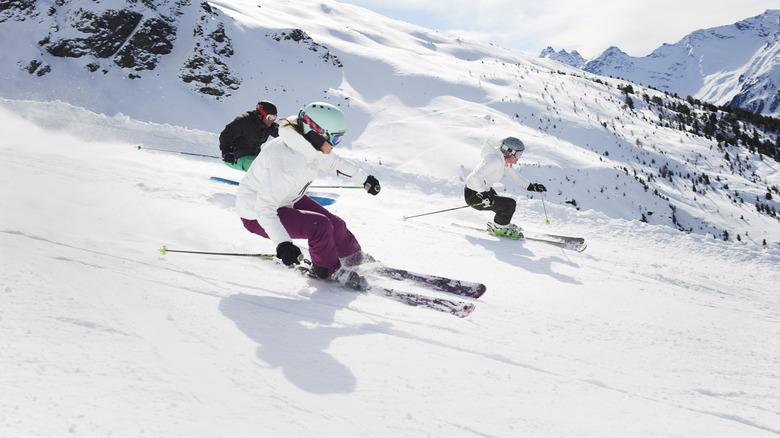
x=328 y=236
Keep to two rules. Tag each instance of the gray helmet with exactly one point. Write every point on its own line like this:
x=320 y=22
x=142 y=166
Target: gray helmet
x=512 y=146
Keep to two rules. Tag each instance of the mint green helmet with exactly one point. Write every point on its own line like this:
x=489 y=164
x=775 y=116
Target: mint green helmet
x=324 y=119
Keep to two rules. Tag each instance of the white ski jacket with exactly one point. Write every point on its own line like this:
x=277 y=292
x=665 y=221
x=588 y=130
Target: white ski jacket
x=279 y=176
x=492 y=169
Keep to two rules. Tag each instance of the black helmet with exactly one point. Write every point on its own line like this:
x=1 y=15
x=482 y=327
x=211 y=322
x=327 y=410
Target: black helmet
x=267 y=110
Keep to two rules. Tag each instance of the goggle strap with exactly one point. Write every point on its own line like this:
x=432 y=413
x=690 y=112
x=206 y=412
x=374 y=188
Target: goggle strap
x=265 y=115
x=314 y=126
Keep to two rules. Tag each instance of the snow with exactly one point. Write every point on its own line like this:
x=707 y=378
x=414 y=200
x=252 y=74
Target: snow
x=650 y=332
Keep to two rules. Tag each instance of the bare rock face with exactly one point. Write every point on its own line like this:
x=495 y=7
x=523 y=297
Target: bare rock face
x=205 y=70
x=135 y=38
x=139 y=38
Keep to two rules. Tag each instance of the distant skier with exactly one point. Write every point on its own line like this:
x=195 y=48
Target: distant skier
x=497 y=161
x=242 y=139
x=272 y=200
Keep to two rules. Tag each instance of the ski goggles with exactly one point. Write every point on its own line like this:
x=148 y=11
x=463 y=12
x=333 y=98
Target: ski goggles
x=333 y=139
x=510 y=152
x=269 y=117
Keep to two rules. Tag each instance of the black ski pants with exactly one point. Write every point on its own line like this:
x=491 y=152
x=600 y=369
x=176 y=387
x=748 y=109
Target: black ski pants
x=503 y=207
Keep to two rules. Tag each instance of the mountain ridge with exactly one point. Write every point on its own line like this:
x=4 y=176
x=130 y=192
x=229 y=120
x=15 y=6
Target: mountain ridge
x=735 y=65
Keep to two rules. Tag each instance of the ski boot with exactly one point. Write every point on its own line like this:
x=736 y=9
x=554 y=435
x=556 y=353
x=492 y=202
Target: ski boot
x=349 y=278
x=510 y=231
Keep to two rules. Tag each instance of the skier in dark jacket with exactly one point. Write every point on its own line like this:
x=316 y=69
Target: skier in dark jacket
x=242 y=139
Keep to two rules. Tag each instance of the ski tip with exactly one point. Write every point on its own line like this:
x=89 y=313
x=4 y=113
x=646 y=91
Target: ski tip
x=579 y=247
x=467 y=310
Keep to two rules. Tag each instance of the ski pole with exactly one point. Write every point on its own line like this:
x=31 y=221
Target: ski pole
x=546 y=219
x=337 y=187
x=442 y=211
x=164 y=250
x=179 y=152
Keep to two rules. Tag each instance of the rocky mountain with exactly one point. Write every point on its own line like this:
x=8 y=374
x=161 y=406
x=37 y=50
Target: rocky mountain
x=135 y=37
x=177 y=46
x=735 y=65
x=573 y=59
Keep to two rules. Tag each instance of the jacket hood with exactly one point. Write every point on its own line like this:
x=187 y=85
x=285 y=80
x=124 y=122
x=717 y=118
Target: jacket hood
x=295 y=141
x=491 y=148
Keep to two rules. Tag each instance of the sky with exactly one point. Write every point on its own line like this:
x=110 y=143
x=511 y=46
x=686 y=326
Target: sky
x=590 y=27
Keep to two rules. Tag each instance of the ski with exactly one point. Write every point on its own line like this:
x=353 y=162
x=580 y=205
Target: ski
x=224 y=180
x=579 y=247
x=456 y=287
x=563 y=242
x=460 y=309
x=567 y=239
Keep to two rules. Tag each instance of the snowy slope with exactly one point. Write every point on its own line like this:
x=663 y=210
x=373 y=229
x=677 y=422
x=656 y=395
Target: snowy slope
x=419 y=103
x=649 y=333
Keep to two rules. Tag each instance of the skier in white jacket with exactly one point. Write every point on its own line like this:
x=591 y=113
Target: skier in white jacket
x=272 y=200
x=497 y=161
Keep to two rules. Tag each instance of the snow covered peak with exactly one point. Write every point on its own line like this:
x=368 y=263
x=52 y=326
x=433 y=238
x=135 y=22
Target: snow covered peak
x=728 y=65
x=573 y=59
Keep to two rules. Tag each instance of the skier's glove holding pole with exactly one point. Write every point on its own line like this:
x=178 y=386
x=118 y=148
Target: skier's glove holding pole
x=289 y=253
x=229 y=157
x=534 y=187
x=487 y=199
x=372 y=185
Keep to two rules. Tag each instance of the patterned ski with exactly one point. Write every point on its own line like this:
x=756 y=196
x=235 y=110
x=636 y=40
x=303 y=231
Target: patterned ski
x=458 y=308
x=456 y=287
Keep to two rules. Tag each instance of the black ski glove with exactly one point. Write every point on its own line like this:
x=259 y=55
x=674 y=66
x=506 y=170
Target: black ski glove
x=289 y=253
x=273 y=130
x=372 y=185
x=487 y=198
x=533 y=187
x=229 y=157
